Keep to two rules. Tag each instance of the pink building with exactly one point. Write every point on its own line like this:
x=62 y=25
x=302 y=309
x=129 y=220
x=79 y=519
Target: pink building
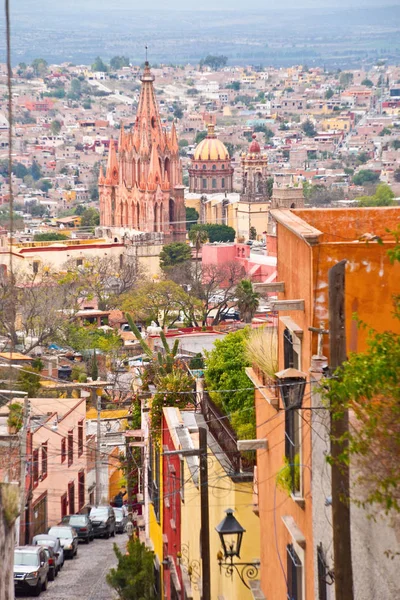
x=260 y=268
x=58 y=462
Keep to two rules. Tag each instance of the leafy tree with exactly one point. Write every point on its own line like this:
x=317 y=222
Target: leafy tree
x=362 y=158
x=308 y=128
x=383 y=197
x=200 y=135
x=49 y=237
x=99 y=65
x=178 y=112
x=395 y=144
x=117 y=62
x=253 y=233
x=346 y=79
x=234 y=85
x=225 y=373
x=55 y=127
x=265 y=130
x=36 y=171
x=45 y=185
x=192 y=216
x=248 y=300
x=133 y=578
x=367 y=83
x=385 y=131
x=198 y=237
x=329 y=93
x=217 y=232
x=19 y=170
x=29 y=381
x=39 y=66
x=90 y=217
x=270 y=187
x=174 y=254
x=214 y=61
x=75 y=90
x=365 y=176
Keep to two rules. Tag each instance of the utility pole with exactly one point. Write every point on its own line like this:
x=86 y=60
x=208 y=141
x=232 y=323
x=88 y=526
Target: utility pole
x=205 y=517
x=339 y=427
x=97 y=398
x=23 y=470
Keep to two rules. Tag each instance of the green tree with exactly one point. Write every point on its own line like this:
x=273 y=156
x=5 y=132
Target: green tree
x=178 y=112
x=385 y=131
x=198 y=237
x=75 y=89
x=365 y=176
x=395 y=144
x=200 y=135
x=346 y=79
x=383 y=196
x=36 y=171
x=29 y=381
x=133 y=578
x=329 y=93
x=234 y=85
x=99 y=65
x=270 y=187
x=19 y=170
x=174 y=254
x=214 y=61
x=39 y=66
x=90 y=217
x=117 y=62
x=192 y=216
x=248 y=300
x=308 y=128
x=49 y=237
x=367 y=82
x=252 y=233
x=217 y=232
x=55 y=127
x=229 y=386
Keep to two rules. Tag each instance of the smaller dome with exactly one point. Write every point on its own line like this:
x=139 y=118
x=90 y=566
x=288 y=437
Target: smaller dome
x=211 y=148
x=254 y=146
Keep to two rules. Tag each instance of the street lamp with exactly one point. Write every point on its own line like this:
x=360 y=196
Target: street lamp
x=231 y=533
x=292 y=384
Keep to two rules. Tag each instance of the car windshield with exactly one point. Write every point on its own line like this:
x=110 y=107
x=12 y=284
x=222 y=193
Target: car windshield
x=26 y=559
x=45 y=542
x=119 y=513
x=76 y=520
x=100 y=513
x=61 y=532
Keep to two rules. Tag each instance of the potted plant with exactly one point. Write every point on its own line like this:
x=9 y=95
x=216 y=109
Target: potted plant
x=15 y=417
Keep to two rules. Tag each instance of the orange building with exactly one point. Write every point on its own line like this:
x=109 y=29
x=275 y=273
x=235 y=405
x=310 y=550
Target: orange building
x=310 y=242
x=142 y=188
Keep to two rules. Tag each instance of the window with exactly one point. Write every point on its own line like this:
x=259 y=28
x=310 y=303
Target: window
x=223 y=167
x=64 y=505
x=214 y=168
x=204 y=183
x=44 y=460
x=35 y=468
x=63 y=450
x=79 y=262
x=197 y=166
x=70 y=447
x=204 y=167
x=71 y=498
x=80 y=438
x=81 y=489
x=223 y=182
x=292 y=420
x=214 y=183
x=294 y=574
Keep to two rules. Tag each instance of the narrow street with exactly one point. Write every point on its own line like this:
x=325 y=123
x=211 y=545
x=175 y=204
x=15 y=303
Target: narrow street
x=84 y=577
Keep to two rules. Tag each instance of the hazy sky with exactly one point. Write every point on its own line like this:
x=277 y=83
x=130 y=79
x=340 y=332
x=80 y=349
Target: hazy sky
x=71 y=5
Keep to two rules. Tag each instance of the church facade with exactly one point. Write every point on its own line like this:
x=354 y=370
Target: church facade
x=142 y=189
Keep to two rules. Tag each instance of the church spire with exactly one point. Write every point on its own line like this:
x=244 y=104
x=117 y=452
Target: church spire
x=121 y=143
x=148 y=121
x=174 y=146
x=112 y=165
x=154 y=177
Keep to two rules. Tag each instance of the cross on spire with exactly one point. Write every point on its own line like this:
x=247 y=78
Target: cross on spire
x=146 y=52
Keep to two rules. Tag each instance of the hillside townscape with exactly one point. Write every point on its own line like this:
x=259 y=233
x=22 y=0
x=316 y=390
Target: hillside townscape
x=199 y=319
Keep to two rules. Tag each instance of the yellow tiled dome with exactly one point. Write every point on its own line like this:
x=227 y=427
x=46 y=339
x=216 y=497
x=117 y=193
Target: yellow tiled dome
x=211 y=148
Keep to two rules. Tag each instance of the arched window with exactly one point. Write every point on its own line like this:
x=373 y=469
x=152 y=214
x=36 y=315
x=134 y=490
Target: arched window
x=223 y=167
x=167 y=167
x=214 y=168
x=155 y=225
x=204 y=183
x=171 y=210
x=223 y=182
x=204 y=167
x=214 y=183
x=197 y=166
x=137 y=216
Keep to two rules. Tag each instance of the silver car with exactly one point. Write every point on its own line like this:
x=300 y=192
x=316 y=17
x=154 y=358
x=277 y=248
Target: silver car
x=31 y=569
x=42 y=539
x=68 y=539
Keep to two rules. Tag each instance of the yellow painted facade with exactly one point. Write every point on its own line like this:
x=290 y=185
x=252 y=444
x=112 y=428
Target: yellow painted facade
x=336 y=124
x=156 y=524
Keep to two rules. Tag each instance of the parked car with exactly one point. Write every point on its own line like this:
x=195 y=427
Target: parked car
x=31 y=569
x=82 y=524
x=121 y=519
x=51 y=559
x=230 y=314
x=50 y=541
x=103 y=521
x=68 y=539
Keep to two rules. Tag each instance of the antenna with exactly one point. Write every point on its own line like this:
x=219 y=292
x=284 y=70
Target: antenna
x=146 y=52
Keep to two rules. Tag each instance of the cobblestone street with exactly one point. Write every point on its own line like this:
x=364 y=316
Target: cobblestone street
x=84 y=577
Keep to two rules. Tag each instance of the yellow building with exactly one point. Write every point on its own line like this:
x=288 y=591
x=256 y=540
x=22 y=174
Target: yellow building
x=228 y=488
x=336 y=124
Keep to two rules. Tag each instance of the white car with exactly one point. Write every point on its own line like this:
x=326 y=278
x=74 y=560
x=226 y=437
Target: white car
x=42 y=539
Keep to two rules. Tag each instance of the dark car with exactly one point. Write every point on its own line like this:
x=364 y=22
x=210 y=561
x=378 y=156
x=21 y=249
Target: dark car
x=230 y=315
x=121 y=519
x=103 y=521
x=31 y=569
x=82 y=525
x=68 y=539
x=51 y=559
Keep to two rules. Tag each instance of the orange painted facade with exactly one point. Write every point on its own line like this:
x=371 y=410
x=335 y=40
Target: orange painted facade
x=309 y=243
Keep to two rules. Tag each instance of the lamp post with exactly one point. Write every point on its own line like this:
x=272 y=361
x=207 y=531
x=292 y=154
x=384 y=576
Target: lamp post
x=231 y=533
x=292 y=385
